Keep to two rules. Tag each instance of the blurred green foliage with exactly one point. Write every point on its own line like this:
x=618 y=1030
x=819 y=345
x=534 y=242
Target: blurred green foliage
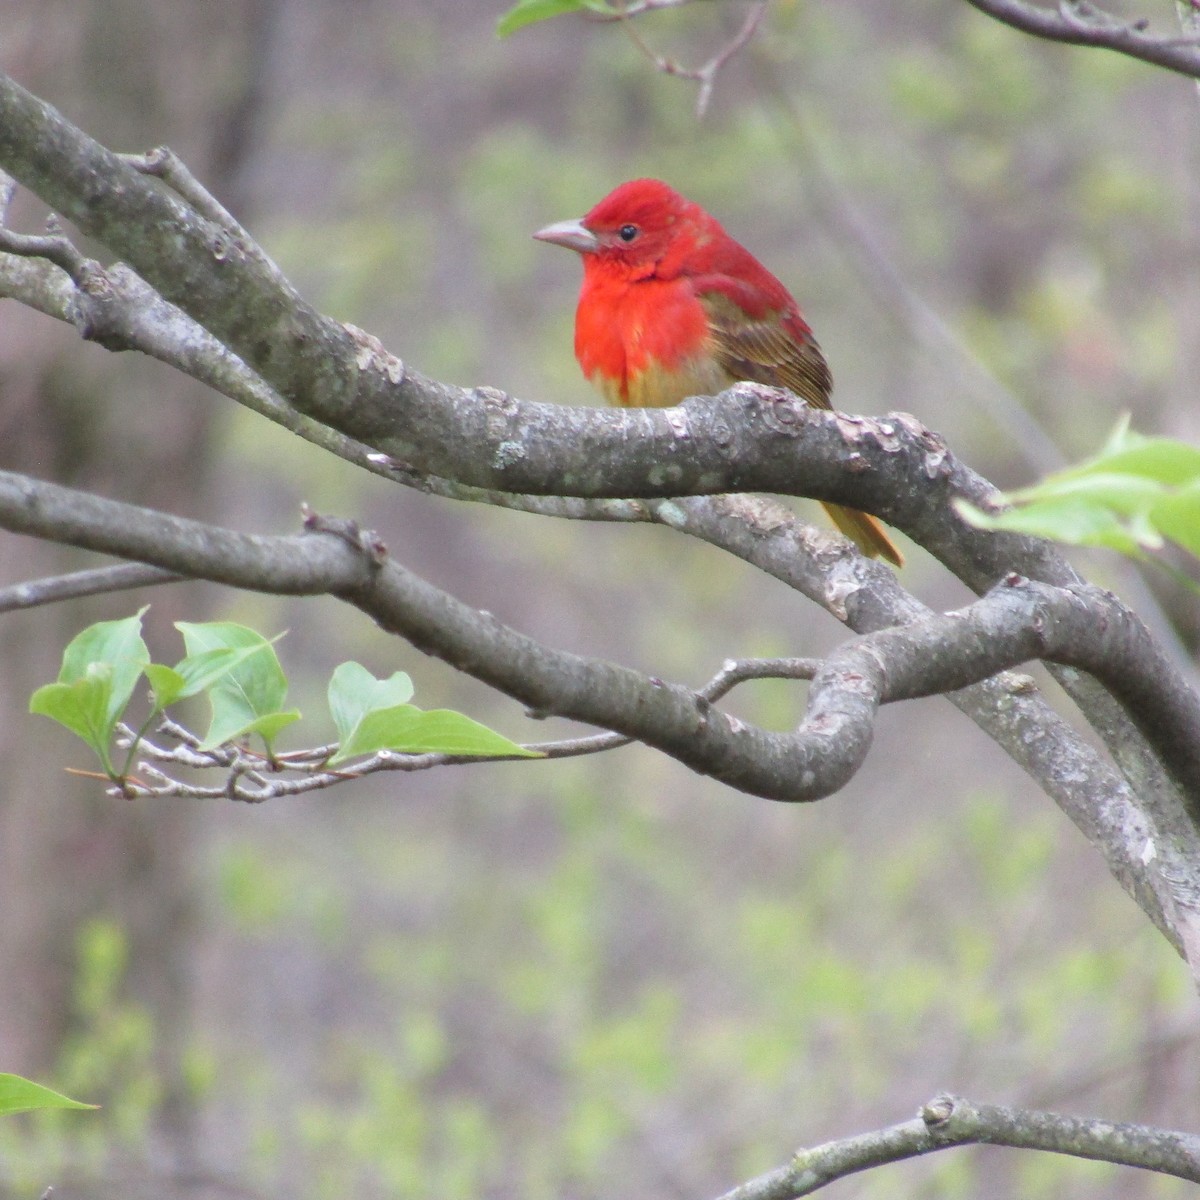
x=815 y=991
x=1133 y=495
x=109 y=1056
x=799 y=1013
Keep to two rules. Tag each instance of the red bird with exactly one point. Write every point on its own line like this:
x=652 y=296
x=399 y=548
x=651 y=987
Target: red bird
x=671 y=306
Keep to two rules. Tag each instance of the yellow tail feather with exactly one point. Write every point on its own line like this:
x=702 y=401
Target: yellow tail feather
x=865 y=532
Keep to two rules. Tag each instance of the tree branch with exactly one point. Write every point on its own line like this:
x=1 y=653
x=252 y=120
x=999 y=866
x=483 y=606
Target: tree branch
x=252 y=779
x=1080 y=23
x=98 y=581
x=950 y=1121
x=1016 y=622
x=706 y=74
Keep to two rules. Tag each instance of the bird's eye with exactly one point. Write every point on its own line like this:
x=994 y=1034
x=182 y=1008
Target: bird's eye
x=627 y=233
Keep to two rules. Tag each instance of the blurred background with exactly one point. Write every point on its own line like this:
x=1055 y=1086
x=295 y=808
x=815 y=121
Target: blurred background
x=606 y=977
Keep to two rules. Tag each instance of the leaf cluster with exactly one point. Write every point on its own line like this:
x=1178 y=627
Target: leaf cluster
x=1135 y=494
x=240 y=673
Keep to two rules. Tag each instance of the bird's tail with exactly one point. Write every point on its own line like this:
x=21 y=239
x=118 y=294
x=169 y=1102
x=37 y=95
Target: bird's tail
x=865 y=532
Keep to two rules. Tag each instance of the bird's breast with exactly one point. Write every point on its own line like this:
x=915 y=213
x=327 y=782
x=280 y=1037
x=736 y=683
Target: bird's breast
x=646 y=343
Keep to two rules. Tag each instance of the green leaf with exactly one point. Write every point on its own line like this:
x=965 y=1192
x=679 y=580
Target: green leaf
x=354 y=691
x=411 y=730
x=527 y=12
x=1177 y=516
x=1125 y=452
x=22 y=1095
x=1160 y=459
x=1134 y=493
x=202 y=671
x=1124 y=494
x=268 y=726
x=166 y=683
x=1072 y=521
x=248 y=697
x=115 y=643
x=83 y=707
x=100 y=668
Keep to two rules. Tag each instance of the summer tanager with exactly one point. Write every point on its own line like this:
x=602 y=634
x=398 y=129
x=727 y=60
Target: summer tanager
x=671 y=306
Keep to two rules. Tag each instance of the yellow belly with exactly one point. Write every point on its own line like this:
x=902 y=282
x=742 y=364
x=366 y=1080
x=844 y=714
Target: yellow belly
x=657 y=387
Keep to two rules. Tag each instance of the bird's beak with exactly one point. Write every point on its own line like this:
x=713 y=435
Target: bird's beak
x=572 y=234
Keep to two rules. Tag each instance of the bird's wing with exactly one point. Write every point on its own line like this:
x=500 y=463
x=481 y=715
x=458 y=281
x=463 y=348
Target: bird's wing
x=766 y=350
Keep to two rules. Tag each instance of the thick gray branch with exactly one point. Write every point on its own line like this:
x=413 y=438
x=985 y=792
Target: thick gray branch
x=1016 y=622
x=748 y=440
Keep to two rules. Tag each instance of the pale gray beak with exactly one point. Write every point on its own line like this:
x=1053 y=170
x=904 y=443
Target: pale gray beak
x=572 y=234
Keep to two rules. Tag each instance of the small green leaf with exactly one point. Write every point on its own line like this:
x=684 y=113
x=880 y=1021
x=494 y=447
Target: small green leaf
x=1177 y=516
x=22 y=1095
x=83 y=706
x=119 y=645
x=354 y=691
x=268 y=726
x=253 y=691
x=527 y=12
x=166 y=683
x=411 y=730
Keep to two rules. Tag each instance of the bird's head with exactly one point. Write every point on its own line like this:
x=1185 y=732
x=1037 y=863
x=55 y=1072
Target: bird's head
x=643 y=226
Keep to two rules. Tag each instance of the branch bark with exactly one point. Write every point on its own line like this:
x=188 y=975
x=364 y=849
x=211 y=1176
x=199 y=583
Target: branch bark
x=949 y=1121
x=1080 y=23
x=1016 y=622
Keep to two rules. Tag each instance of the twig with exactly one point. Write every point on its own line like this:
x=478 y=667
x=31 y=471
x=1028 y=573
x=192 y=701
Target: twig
x=706 y=74
x=52 y=246
x=55 y=588
x=298 y=772
x=635 y=8
x=163 y=163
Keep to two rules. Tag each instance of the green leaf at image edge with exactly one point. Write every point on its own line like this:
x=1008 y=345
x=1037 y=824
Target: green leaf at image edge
x=528 y=12
x=23 y=1095
x=1072 y=522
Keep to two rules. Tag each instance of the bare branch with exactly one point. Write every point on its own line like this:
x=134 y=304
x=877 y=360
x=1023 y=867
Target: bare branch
x=1083 y=24
x=949 y=1121
x=163 y=163
x=121 y=311
x=53 y=247
x=51 y=590
x=706 y=74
